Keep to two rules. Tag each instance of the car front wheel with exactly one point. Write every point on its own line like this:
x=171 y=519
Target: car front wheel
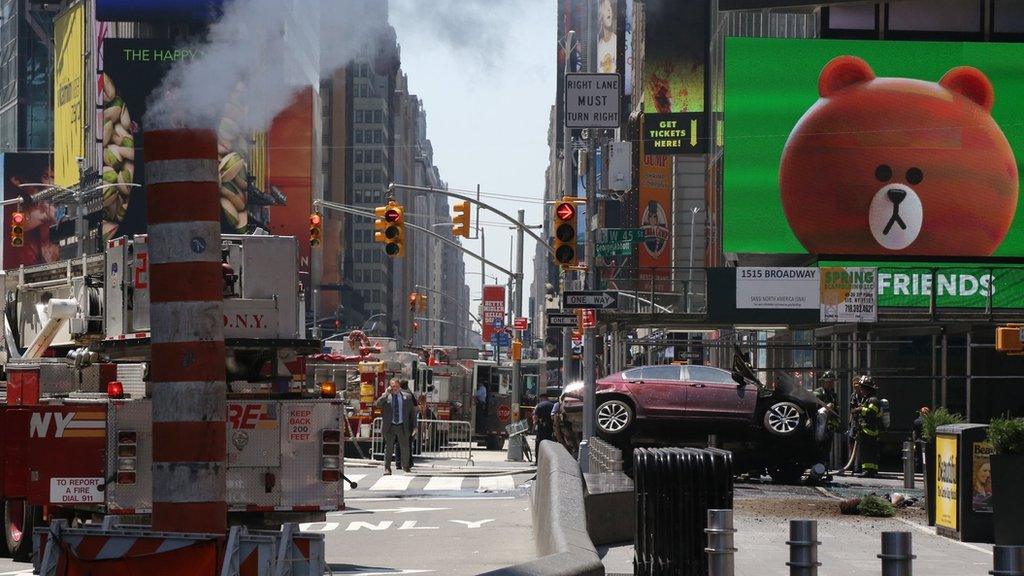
x=784 y=419
x=614 y=417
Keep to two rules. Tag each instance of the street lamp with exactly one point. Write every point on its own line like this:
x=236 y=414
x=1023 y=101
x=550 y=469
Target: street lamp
x=689 y=282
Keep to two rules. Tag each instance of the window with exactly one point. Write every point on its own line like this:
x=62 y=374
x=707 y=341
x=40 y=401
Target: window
x=707 y=374
x=377 y=177
x=359 y=156
x=667 y=372
x=376 y=275
x=376 y=256
x=357 y=256
x=377 y=155
x=378 y=136
x=357 y=276
x=359 y=116
x=633 y=374
x=378 y=116
x=359 y=136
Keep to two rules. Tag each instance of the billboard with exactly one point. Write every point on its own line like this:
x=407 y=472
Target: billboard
x=25 y=174
x=493 y=313
x=289 y=176
x=654 y=254
x=69 y=95
x=873 y=148
x=674 y=72
x=158 y=10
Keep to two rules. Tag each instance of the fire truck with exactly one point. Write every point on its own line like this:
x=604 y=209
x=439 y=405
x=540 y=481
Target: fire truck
x=76 y=413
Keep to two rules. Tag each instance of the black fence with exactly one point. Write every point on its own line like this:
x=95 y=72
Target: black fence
x=675 y=488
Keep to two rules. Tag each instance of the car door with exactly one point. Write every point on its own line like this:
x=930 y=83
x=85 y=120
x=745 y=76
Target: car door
x=712 y=394
x=659 y=392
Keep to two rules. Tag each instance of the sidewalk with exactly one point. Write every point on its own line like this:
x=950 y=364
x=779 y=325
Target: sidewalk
x=484 y=462
x=849 y=544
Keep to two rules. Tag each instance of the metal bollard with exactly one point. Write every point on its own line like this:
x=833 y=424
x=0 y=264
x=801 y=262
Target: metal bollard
x=897 y=554
x=803 y=548
x=908 y=464
x=1007 y=561
x=721 y=549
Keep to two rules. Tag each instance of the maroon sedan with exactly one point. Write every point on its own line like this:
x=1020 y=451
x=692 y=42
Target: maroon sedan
x=693 y=395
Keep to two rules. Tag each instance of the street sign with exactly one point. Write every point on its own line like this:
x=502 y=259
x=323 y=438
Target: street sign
x=592 y=100
x=561 y=320
x=498 y=324
x=521 y=323
x=501 y=339
x=618 y=241
x=504 y=413
x=599 y=299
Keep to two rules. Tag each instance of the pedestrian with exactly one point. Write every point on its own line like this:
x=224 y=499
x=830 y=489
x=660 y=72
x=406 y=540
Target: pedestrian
x=826 y=394
x=868 y=419
x=542 y=423
x=397 y=414
x=556 y=420
x=480 y=401
x=918 y=438
x=414 y=429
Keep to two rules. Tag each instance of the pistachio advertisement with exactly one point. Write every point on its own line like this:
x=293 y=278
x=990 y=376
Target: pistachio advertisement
x=132 y=69
x=911 y=285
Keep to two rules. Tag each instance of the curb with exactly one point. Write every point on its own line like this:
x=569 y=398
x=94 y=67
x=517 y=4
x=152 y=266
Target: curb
x=559 y=521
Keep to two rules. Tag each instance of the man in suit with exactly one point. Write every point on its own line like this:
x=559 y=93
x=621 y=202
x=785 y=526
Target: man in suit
x=397 y=415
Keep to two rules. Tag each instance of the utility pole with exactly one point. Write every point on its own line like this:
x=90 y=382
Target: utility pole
x=515 y=448
x=567 y=189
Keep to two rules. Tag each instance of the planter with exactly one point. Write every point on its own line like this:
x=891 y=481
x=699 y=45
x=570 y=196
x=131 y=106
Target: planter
x=929 y=480
x=1008 y=498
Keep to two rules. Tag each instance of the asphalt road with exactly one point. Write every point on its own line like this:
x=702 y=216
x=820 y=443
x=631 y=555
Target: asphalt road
x=429 y=527
x=419 y=524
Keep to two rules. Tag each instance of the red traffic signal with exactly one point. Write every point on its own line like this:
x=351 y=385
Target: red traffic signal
x=18 y=229
x=392 y=215
x=565 y=211
x=315 y=219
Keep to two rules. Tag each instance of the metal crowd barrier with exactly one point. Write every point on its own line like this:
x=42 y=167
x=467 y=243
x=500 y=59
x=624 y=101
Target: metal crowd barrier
x=675 y=488
x=442 y=439
x=604 y=457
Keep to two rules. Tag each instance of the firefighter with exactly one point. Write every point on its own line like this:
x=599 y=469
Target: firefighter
x=826 y=394
x=867 y=415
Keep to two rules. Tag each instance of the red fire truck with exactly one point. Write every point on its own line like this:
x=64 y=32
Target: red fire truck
x=76 y=415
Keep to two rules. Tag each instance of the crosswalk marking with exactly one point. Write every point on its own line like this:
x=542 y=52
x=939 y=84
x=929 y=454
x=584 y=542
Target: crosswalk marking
x=444 y=483
x=497 y=483
x=393 y=483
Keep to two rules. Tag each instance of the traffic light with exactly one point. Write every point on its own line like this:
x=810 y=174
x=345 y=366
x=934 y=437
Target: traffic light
x=564 y=226
x=18 y=229
x=413 y=300
x=316 y=228
x=390 y=229
x=460 y=221
x=422 y=302
x=517 y=349
x=1008 y=340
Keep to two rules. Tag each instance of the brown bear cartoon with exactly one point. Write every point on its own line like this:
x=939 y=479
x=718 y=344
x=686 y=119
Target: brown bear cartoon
x=899 y=166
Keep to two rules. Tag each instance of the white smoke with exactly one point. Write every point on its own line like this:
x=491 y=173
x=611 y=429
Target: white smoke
x=257 y=54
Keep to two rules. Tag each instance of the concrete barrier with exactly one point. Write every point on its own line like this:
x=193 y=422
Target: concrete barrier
x=559 y=521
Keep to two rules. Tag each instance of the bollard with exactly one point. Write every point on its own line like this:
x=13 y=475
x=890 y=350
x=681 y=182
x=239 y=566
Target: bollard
x=1007 y=561
x=803 y=548
x=897 y=554
x=720 y=550
x=908 y=464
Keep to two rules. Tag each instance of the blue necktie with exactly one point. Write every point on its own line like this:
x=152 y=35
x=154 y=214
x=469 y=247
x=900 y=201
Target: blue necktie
x=396 y=404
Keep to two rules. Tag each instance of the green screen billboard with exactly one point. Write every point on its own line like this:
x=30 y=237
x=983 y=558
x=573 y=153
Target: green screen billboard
x=873 y=148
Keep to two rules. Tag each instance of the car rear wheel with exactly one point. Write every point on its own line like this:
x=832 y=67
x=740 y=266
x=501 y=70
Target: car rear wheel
x=784 y=419
x=614 y=417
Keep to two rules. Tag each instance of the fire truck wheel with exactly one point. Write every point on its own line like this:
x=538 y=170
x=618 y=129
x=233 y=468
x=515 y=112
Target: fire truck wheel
x=19 y=520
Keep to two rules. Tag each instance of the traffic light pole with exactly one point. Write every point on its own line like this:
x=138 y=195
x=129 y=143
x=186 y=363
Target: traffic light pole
x=515 y=446
x=349 y=210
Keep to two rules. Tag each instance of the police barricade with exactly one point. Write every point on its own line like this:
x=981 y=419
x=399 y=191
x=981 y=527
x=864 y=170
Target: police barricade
x=441 y=439
x=675 y=488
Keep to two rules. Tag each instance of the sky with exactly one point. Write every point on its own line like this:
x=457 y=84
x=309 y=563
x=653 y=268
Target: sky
x=487 y=83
